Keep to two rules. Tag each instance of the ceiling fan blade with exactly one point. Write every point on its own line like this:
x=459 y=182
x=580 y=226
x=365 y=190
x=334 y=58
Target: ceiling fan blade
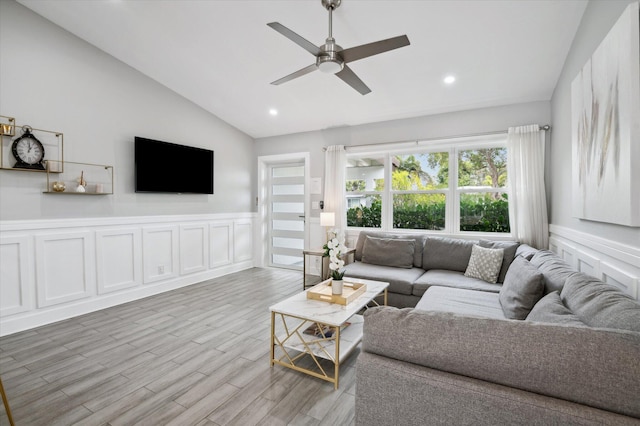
x=299 y=73
x=365 y=50
x=348 y=76
x=300 y=41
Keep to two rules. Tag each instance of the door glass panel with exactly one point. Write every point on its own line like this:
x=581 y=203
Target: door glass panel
x=288 y=189
x=287 y=171
x=288 y=225
x=288 y=207
x=293 y=243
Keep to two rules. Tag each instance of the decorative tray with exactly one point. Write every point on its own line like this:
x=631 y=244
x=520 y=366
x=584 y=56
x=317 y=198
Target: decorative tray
x=350 y=292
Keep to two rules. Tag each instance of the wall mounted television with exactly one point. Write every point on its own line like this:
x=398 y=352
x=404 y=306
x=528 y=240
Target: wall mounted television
x=171 y=168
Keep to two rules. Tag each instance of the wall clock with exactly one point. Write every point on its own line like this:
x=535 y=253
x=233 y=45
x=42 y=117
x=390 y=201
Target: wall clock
x=28 y=151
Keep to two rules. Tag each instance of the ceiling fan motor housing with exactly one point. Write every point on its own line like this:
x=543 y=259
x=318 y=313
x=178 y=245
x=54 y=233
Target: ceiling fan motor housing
x=330 y=61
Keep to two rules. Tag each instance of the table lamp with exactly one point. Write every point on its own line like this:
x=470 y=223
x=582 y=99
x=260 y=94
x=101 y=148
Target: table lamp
x=327 y=220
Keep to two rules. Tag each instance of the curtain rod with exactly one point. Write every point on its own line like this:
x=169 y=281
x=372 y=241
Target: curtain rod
x=442 y=138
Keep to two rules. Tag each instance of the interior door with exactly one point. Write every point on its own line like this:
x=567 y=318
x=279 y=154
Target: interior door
x=286 y=215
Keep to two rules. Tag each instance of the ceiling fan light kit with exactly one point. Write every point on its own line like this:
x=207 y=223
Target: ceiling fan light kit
x=333 y=59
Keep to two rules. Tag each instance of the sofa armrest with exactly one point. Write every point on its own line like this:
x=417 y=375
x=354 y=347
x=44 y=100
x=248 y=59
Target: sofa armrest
x=596 y=367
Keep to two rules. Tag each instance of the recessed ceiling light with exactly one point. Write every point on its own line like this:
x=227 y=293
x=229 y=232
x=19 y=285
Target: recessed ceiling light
x=450 y=79
x=273 y=112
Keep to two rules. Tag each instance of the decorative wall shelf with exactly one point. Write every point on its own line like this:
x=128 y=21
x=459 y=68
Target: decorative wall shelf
x=97 y=178
x=53 y=143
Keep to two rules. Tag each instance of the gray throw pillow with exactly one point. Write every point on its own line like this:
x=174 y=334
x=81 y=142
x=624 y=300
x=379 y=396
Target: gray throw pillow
x=509 y=248
x=452 y=254
x=550 y=309
x=484 y=263
x=523 y=287
x=394 y=252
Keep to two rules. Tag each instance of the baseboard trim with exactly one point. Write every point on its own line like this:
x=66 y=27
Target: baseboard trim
x=38 y=318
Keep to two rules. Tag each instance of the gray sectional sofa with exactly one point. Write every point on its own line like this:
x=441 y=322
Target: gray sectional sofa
x=412 y=263
x=460 y=356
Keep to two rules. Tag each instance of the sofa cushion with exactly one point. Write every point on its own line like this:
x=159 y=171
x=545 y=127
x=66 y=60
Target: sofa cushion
x=400 y=280
x=550 y=309
x=555 y=270
x=461 y=301
x=444 y=278
x=599 y=304
x=446 y=253
x=484 y=263
x=509 y=247
x=526 y=251
x=418 y=247
x=523 y=287
x=396 y=252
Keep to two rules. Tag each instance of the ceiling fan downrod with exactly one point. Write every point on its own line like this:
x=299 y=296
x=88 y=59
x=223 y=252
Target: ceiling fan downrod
x=330 y=62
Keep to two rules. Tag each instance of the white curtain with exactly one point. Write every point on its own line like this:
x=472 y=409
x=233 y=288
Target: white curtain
x=335 y=162
x=528 y=200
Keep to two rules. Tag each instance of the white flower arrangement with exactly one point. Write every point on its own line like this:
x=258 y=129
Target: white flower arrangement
x=334 y=249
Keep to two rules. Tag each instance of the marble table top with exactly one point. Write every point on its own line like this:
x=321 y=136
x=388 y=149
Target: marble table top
x=324 y=312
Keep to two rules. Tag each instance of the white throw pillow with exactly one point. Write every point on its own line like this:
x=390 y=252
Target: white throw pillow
x=485 y=263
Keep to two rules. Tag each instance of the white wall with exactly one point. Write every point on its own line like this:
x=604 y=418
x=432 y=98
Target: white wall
x=598 y=19
x=52 y=80
x=63 y=255
x=425 y=127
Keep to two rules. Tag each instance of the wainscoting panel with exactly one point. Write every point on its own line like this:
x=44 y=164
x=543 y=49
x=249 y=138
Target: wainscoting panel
x=65 y=267
x=160 y=252
x=220 y=243
x=242 y=240
x=119 y=259
x=16 y=278
x=51 y=270
x=612 y=262
x=588 y=264
x=194 y=248
x=621 y=279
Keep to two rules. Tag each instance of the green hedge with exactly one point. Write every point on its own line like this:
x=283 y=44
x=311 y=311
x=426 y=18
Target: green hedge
x=480 y=213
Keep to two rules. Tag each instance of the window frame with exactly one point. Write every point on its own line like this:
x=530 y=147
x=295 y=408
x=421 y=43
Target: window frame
x=452 y=193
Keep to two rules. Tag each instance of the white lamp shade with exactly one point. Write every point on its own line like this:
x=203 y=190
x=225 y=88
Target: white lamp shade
x=327 y=219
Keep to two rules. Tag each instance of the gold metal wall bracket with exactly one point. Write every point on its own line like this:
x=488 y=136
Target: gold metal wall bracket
x=53 y=144
x=7 y=126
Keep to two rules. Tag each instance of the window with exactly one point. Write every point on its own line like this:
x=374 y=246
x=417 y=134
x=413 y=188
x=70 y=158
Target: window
x=419 y=189
x=482 y=195
x=452 y=188
x=364 y=188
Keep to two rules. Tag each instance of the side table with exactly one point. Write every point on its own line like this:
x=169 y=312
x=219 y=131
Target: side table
x=324 y=272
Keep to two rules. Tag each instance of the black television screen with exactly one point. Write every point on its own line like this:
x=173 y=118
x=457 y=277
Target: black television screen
x=172 y=168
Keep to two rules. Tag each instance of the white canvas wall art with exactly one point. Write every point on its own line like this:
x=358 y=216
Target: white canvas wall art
x=605 y=109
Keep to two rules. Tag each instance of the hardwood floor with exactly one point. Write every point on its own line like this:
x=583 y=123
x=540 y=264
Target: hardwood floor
x=193 y=356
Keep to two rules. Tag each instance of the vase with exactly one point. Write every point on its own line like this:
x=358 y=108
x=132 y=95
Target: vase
x=336 y=287
x=58 y=186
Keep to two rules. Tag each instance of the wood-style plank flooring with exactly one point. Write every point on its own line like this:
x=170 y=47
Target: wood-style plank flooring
x=193 y=356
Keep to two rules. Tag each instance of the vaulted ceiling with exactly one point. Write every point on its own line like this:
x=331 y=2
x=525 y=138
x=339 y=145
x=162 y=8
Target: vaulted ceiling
x=222 y=56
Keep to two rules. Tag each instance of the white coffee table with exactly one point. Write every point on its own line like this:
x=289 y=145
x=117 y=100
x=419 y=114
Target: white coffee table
x=292 y=316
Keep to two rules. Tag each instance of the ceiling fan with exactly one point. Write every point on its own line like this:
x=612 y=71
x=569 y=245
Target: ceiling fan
x=333 y=59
